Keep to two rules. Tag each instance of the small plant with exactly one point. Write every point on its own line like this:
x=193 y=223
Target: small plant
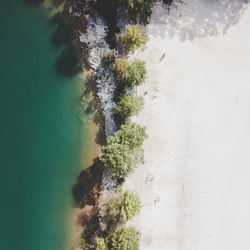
x=129 y=105
x=125 y=239
x=101 y=244
x=134 y=37
x=130 y=206
x=108 y=57
x=119 y=66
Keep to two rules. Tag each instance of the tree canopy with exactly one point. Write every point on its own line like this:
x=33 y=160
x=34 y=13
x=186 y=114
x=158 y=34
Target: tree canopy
x=123 y=153
x=134 y=37
x=129 y=105
x=125 y=239
x=130 y=205
x=129 y=74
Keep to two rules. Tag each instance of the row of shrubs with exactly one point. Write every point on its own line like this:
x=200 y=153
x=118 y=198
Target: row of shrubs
x=123 y=152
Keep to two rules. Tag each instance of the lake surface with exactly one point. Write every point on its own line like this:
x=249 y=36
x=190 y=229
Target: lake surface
x=41 y=134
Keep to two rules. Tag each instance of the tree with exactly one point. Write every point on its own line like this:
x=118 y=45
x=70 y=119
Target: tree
x=135 y=73
x=129 y=74
x=129 y=105
x=116 y=208
x=131 y=134
x=130 y=205
x=123 y=154
x=134 y=37
x=120 y=159
x=125 y=239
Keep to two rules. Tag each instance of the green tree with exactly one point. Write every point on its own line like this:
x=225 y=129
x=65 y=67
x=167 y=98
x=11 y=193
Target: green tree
x=129 y=105
x=135 y=73
x=130 y=205
x=129 y=74
x=120 y=159
x=131 y=134
x=123 y=152
x=125 y=239
x=134 y=37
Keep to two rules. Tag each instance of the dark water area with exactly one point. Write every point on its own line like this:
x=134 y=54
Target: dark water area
x=41 y=135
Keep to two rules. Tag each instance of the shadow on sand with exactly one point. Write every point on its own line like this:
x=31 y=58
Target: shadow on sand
x=196 y=18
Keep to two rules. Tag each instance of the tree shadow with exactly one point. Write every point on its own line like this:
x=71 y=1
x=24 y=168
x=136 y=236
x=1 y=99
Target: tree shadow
x=190 y=19
x=33 y=2
x=88 y=185
x=63 y=33
x=68 y=62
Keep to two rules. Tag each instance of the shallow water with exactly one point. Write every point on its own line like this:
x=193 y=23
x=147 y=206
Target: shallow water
x=41 y=135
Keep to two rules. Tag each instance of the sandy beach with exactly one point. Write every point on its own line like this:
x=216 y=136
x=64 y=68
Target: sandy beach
x=195 y=182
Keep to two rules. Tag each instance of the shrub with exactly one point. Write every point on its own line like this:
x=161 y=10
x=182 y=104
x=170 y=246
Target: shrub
x=125 y=239
x=108 y=57
x=83 y=244
x=119 y=66
x=100 y=244
x=135 y=73
x=134 y=37
x=129 y=105
x=131 y=134
x=123 y=154
x=116 y=207
x=129 y=74
x=120 y=159
x=130 y=205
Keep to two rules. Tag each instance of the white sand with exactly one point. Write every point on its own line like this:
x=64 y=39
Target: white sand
x=197 y=114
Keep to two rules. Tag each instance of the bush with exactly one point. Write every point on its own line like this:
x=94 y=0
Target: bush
x=119 y=66
x=108 y=57
x=130 y=206
x=135 y=73
x=116 y=207
x=125 y=239
x=123 y=154
x=100 y=244
x=129 y=74
x=131 y=134
x=129 y=105
x=134 y=37
x=120 y=159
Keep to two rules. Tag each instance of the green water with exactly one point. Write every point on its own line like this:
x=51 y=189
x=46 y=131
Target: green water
x=41 y=136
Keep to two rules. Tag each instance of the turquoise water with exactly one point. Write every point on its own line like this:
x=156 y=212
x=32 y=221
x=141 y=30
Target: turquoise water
x=41 y=136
